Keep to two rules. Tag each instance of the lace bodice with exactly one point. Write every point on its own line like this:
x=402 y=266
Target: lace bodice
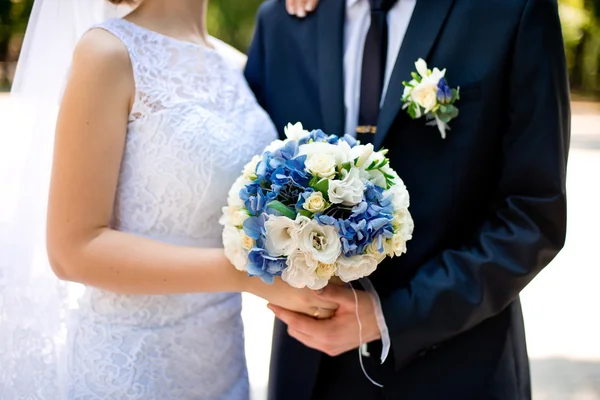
x=193 y=126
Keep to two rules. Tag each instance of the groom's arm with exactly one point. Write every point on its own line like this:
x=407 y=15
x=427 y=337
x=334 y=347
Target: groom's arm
x=462 y=287
x=255 y=66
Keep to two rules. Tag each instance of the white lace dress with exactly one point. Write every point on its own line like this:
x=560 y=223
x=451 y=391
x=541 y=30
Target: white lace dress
x=194 y=125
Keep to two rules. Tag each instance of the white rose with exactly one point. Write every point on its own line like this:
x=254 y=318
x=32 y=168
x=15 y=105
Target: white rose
x=356 y=267
x=301 y=271
x=233 y=247
x=373 y=249
x=320 y=241
x=349 y=191
x=250 y=168
x=282 y=236
x=233 y=199
x=315 y=203
x=322 y=165
x=295 y=132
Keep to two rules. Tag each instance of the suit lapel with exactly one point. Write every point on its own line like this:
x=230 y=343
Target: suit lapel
x=330 y=39
x=425 y=25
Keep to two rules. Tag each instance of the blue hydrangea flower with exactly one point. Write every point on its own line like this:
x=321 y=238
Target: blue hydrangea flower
x=263 y=265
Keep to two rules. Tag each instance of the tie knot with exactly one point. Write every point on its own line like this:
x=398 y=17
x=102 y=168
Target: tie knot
x=382 y=5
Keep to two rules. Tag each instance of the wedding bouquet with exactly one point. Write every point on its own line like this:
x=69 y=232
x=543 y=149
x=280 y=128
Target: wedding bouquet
x=313 y=207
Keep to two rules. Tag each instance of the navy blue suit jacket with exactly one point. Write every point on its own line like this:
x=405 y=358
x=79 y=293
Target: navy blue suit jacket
x=488 y=202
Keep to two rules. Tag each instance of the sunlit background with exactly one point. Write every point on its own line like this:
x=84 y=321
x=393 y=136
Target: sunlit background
x=561 y=305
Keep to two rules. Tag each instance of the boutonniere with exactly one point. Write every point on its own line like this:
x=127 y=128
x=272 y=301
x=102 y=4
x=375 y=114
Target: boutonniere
x=429 y=95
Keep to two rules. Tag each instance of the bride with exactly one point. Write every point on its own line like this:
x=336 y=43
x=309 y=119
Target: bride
x=155 y=124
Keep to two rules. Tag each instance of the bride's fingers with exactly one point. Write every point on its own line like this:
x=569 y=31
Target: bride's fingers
x=299 y=8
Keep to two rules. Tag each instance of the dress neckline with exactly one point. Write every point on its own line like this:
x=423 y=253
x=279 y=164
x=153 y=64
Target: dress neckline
x=180 y=41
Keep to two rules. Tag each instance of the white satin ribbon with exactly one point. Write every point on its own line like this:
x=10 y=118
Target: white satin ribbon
x=385 y=337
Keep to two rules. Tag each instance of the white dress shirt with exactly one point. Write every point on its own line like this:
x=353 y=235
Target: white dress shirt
x=358 y=20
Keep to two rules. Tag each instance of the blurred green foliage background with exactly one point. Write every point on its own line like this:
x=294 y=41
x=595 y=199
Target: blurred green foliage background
x=233 y=22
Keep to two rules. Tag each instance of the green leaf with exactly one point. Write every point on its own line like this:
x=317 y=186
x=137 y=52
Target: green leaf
x=313 y=181
x=348 y=165
x=305 y=213
x=322 y=186
x=283 y=209
x=455 y=94
x=443 y=109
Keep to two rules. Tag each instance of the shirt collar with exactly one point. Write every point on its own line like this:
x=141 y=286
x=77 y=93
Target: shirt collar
x=351 y=3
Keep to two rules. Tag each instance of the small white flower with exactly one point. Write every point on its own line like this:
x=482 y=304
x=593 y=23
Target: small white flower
x=295 y=132
x=322 y=165
x=356 y=267
x=234 y=216
x=315 y=203
x=320 y=241
x=250 y=168
x=234 y=247
x=425 y=95
x=363 y=154
x=275 y=145
x=282 y=236
x=348 y=191
x=339 y=153
x=301 y=271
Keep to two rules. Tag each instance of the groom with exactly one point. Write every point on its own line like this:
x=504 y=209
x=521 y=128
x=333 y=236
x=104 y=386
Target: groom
x=488 y=201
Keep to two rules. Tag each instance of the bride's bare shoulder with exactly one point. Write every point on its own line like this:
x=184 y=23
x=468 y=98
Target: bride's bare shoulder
x=100 y=49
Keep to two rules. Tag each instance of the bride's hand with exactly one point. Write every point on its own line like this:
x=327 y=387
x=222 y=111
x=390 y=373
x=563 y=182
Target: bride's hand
x=299 y=8
x=300 y=300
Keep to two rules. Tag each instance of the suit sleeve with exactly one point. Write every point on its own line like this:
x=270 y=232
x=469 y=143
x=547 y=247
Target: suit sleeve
x=462 y=287
x=255 y=67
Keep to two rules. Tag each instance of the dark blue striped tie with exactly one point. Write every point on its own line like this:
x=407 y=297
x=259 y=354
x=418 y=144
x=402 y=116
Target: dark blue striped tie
x=373 y=70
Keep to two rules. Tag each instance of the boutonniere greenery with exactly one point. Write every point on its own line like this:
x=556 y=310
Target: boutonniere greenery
x=429 y=95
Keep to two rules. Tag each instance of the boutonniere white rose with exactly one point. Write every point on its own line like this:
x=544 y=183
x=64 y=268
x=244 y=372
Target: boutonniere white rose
x=429 y=95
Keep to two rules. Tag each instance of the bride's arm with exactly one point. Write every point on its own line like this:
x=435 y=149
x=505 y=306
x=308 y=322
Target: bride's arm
x=89 y=145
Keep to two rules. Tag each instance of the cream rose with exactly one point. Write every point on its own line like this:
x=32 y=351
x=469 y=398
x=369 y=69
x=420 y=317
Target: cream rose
x=301 y=271
x=340 y=152
x=325 y=271
x=348 y=191
x=320 y=241
x=234 y=247
x=322 y=165
x=315 y=203
x=373 y=249
x=355 y=267
x=282 y=237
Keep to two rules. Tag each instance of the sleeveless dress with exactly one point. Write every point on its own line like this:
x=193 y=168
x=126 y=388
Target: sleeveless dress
x=193 y=126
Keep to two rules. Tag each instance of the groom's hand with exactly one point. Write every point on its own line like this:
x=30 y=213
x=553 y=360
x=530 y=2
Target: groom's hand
x=340 y=333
